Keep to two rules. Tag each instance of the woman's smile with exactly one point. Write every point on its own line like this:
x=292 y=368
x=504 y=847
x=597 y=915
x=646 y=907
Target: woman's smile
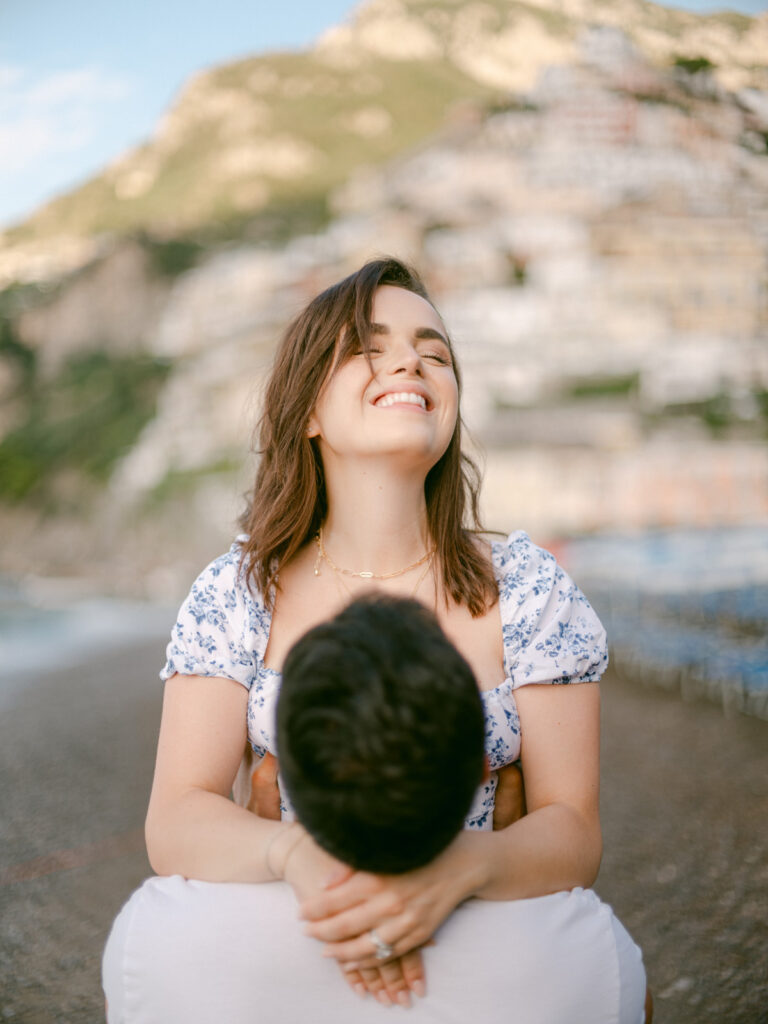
x=410 y=399
x=407 y=370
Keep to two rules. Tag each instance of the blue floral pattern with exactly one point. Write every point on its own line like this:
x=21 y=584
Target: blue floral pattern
x=550 y=633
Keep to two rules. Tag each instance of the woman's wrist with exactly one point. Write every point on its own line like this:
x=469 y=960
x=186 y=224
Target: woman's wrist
x=473 y=861
x=280 y=847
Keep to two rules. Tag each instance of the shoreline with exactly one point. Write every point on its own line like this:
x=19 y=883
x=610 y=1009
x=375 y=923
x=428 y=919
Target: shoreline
x=42 y=640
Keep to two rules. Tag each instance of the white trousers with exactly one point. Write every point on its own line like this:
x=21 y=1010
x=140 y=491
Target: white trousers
x=204 y=953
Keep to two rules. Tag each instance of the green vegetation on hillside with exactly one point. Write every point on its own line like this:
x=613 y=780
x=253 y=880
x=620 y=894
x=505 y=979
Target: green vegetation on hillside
x=214 y=171
x=623 y=385
x=82 y=421
x=694 y=65
x=309 y=101
x=171 y=257
x=735 y=20
x=180 y=484
x=16 y=354
x=723 y=415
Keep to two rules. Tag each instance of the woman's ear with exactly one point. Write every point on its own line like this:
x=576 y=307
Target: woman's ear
x=313 y=428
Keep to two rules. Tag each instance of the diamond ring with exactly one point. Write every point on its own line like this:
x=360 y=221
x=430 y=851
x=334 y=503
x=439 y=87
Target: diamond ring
x=383 y=949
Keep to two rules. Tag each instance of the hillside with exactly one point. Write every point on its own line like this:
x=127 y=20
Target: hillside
x=596 y=237
x=253 y=148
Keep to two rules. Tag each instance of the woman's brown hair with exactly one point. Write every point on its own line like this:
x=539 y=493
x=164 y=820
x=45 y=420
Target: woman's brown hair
x=288 y=503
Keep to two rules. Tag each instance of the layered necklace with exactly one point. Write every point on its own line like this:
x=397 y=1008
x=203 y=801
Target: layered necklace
x=366 y=574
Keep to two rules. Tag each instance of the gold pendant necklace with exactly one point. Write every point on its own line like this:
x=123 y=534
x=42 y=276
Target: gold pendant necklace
x=323 y=556
x=341 y=582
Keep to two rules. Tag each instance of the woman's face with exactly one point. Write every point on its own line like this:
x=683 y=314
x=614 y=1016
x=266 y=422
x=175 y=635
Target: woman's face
x=405 y=403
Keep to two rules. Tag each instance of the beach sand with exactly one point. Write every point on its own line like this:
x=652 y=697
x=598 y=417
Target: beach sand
x=684 y=802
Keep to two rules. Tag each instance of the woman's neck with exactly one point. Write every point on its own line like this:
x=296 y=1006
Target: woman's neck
x=377 y=519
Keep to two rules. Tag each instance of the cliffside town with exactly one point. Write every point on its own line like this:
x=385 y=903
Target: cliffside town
x=594 y=230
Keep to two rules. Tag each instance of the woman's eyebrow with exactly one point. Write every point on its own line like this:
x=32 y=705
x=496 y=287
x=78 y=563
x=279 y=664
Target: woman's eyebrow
x=430 y=332
x=420 y=332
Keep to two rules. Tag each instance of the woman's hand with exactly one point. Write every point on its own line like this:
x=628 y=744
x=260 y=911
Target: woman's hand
x=265 y=793
x=310 y=870
x=391 y=983
x=509 y=804
x=406 y=910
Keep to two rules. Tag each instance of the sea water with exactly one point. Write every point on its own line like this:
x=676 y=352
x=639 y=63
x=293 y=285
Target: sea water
x=684 y=608
x=50 y=624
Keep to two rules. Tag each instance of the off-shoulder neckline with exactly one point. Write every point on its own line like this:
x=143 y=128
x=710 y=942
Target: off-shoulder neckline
x=505 y=684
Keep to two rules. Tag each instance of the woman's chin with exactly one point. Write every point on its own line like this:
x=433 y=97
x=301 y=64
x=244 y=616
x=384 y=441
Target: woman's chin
x=408 y=447
x=411 y=454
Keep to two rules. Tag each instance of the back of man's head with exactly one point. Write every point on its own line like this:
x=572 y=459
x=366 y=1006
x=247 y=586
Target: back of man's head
x=380 y=735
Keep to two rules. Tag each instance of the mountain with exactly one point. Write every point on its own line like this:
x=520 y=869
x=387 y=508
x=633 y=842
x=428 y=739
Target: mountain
x=253 y=148
x=594 y=231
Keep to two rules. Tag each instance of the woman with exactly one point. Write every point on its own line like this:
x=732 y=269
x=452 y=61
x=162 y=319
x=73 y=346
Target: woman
x=362 y=484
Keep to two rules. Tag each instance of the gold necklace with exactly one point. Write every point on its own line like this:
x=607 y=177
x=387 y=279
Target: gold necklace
x=341 y=582
x=323 y=556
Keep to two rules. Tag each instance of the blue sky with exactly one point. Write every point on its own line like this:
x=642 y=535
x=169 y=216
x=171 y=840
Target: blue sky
x=83 y=80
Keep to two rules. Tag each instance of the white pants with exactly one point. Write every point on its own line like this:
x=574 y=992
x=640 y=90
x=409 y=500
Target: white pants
x=204 y=953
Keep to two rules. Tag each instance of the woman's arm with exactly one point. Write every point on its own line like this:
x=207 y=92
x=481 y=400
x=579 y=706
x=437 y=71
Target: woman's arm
x=192 y=827
x=557 y=845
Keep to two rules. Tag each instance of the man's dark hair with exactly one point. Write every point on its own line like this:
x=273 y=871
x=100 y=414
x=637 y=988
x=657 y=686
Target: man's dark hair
x=380 y=732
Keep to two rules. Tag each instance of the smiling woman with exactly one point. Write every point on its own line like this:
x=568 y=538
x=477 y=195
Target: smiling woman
x=362 y=486
x=334 y=364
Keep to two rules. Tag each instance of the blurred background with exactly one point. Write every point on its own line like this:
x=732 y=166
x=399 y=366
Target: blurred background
x=584 y=187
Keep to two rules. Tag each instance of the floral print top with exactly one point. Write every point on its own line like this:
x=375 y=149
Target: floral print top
x=550 y=634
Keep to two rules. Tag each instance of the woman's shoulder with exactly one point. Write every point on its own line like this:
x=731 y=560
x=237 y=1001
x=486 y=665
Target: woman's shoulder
x=518 y=565
x=516 y=558
x=521 y=566
x=228 y=572
x=222 y=627
x=529 y=573
x=550 y=630
x=225 y=595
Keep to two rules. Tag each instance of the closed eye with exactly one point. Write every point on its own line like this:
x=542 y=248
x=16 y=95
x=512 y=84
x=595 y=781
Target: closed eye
x=373 y=350
x=438 y=357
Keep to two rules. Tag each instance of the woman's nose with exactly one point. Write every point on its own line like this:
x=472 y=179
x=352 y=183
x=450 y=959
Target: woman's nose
x=404 y=359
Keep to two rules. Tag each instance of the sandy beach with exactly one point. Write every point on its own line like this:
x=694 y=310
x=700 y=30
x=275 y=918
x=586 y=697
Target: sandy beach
x=685 y=805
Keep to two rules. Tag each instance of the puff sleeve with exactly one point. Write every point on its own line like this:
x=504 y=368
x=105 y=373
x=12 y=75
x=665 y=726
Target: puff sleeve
x=221 y=629
x=550 y=631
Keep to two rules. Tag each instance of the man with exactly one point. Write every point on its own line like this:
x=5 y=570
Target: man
x=380 y=733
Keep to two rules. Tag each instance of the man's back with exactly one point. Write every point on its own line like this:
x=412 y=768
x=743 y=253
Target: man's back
x=236 y=953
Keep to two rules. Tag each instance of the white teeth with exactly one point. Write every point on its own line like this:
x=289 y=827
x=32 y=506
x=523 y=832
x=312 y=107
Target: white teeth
x=396 y=397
